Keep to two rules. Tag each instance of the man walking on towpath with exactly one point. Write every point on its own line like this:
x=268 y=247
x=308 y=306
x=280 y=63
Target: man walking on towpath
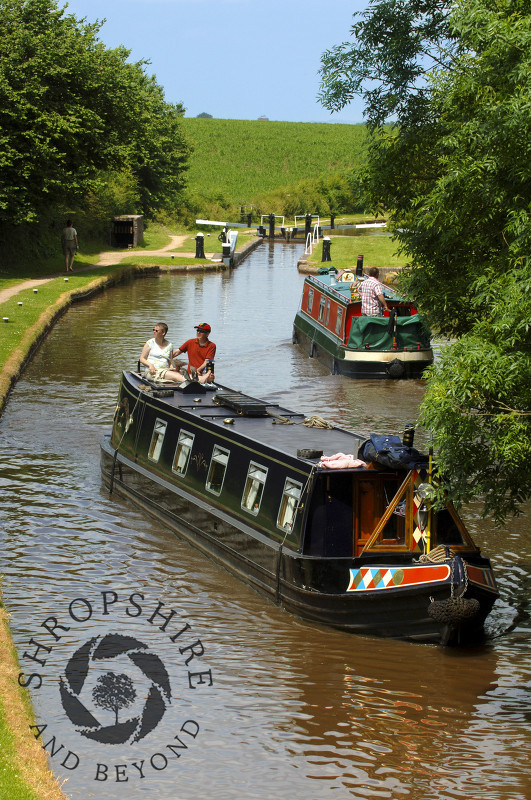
x=372 y=296
x=200 y=351
x=69 y=245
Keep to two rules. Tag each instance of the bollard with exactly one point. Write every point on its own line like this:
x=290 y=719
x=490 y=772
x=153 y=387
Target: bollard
x=249 y=220
x=326 y=249
x=200 y=245
x=332 y=220
x=359 y=266
x=225 y=250
x=307 y=225
x=261 y=231
x=294 y=232
x=271 y=226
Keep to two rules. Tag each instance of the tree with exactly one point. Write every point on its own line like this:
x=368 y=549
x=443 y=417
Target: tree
x=70 y=109
x=113 y=692
x=454 y=169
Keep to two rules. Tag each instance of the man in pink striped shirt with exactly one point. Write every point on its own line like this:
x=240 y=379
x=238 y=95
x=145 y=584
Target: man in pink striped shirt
x=372 y=296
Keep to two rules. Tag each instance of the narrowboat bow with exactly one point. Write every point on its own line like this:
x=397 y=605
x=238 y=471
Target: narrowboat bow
x=272 y=497
x=329 y=326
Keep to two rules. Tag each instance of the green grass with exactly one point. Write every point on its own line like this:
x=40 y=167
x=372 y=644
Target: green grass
x=377 y=251
x=34 y=304
x=242 y=159
x=12 y=785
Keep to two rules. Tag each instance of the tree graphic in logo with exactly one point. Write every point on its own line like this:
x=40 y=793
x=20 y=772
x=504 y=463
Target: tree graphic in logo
x=114 y=692
x=112 y=673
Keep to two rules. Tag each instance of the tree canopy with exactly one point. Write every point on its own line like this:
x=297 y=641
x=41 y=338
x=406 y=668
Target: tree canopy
x=72 y=109
x=453 y=167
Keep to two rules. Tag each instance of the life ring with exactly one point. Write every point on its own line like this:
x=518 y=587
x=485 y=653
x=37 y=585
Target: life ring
x=348 y=277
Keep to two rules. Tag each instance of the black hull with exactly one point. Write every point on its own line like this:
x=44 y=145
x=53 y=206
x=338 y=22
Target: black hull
x=384 y=364
x=303 y=585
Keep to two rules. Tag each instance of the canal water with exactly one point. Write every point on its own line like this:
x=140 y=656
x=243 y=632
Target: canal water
x=262 y=704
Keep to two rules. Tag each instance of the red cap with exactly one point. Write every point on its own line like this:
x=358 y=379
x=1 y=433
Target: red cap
x=204 y=326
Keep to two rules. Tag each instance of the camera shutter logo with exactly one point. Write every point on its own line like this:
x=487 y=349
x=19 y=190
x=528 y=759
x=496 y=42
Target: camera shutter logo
x=104 y=677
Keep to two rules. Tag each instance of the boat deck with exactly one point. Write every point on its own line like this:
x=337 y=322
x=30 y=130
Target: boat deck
x=258 y=420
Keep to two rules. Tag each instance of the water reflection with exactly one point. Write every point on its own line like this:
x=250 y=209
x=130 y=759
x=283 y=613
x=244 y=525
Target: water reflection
x=295 y=709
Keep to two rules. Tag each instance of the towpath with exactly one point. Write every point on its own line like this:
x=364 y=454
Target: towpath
x=105 y=260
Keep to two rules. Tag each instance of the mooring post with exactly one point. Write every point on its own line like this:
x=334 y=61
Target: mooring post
x=271 y=226
x=326 y=249
x=332 y=220
x=200 y=245
x=307 y=225
x=249 y=219
x=359 y=266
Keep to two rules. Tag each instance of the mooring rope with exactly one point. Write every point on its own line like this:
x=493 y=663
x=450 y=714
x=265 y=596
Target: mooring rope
x=315 y=421
x=437 y=556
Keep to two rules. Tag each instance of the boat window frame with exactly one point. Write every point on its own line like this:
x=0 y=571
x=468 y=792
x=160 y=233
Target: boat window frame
x=327 y=314
x=157 y=439
x=339 y=320
x=217 y=451
x=322 y=303
x=249 y=479
x=309 y=303
x=182 y=433
x=288 y=527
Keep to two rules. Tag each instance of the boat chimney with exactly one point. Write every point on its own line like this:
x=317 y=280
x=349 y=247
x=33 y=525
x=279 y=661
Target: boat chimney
x=409 y=435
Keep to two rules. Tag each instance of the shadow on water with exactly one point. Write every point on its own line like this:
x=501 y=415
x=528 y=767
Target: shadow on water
x=294 y=709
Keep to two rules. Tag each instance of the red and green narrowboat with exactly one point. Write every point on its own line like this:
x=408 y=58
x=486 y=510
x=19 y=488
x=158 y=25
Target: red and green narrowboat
x=329 y=326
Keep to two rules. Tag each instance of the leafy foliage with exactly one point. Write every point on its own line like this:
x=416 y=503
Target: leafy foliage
x=455 y=171
x=70 y=108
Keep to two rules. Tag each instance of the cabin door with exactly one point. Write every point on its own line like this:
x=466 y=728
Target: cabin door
x=366 y=510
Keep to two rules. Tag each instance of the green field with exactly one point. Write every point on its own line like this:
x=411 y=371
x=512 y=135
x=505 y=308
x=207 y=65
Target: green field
x=244 y=159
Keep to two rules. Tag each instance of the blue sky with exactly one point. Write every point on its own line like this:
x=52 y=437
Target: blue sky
x=235 y=59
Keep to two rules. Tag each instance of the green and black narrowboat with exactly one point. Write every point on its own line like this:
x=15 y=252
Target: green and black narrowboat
x=329 y=326
x=245 y=481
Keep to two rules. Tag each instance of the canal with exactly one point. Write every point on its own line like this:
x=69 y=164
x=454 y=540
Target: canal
x=262 y=704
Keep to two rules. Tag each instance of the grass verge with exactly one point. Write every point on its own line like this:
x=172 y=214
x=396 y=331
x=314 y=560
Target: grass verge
x=24 y=772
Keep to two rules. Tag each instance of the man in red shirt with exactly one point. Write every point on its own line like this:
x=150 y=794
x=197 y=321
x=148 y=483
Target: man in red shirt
x=200 y=351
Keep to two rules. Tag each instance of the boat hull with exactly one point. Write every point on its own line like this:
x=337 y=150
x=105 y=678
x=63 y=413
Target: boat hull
x=322 y=590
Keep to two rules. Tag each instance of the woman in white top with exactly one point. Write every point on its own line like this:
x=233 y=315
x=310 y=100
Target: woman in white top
x=157 y=356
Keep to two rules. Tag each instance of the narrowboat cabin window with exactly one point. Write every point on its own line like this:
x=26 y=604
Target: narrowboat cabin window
x=327 y=318
x=217 y=469
x=288 y=505
x=181 y=459
x=339 y=320
x=310 y=301
x=159 y=431
x=321 y=307
x=254 y=488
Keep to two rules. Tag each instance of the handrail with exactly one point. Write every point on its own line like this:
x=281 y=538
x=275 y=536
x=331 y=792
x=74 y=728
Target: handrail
x=308 y=252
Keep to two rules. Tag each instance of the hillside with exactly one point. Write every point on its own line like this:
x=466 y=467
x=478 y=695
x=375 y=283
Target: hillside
x=244 y=159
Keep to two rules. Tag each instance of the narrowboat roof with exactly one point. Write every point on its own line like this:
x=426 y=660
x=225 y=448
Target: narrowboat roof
x=331 y=284
x=258 y=420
